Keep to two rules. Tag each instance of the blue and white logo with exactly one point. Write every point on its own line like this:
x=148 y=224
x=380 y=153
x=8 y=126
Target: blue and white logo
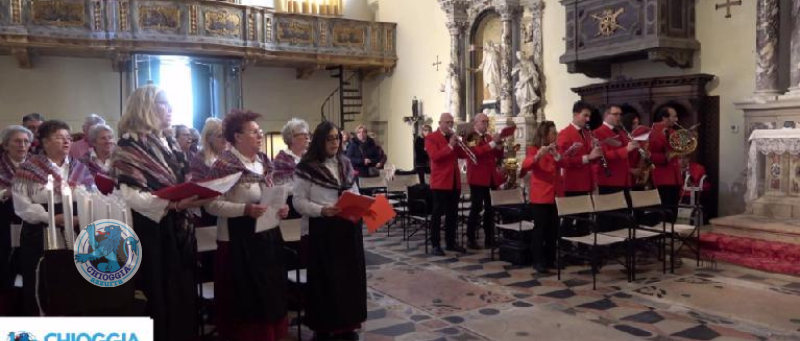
x=20 y=336
x=108 y=253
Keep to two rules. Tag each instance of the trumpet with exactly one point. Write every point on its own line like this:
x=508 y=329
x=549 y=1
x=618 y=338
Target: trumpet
x=464 y=147
x=595 y=144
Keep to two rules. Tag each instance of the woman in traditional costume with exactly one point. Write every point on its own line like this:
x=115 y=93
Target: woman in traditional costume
x=249 y=273
x=31 y=199
x=144 y=162
x=337 y=281
x=296 y=136
x=214 y=143
x=16 y=140
x=101 y=141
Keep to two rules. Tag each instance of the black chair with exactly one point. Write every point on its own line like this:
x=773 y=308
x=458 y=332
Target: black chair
x=420 y=208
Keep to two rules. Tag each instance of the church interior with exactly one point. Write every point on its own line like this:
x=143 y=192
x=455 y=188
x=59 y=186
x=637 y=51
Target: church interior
x=385 y=69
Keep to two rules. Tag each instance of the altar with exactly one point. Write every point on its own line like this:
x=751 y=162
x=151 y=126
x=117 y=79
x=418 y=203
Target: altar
x=773 y=173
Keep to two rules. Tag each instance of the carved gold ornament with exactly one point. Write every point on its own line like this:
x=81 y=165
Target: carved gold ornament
x=295 y=32
x=162 y=18
x=59 y=13
x=345 y=35
x=223 y=23
x=607 y=23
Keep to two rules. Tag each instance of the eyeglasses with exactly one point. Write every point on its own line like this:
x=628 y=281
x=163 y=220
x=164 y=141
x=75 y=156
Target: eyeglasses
x=333 y=138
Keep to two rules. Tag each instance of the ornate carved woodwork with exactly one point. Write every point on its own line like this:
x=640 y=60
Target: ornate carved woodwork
x=95 y=28
x=600 y=33
x=687 y=94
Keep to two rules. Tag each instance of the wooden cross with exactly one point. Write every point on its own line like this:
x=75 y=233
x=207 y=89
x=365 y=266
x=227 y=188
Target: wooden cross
x=438 y=62
x=727 y=6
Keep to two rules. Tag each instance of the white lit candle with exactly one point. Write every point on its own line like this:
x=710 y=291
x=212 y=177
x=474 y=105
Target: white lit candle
x=66 y=203
x=51 y=211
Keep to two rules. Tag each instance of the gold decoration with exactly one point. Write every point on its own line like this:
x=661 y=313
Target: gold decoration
x=607 y=23
x=268 y=29
x=251 y=25
x=374 y=34
x=58 y=13
x=162 y=18
x=98 y=15
x=346 y=35
x=389 y=40
x=124 y=8
x=323 y=32
x=16 y=11
x=193 y=19
x=295 y=32
x=223 y=23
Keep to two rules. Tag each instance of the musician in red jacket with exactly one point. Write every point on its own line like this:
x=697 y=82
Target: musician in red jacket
x=666 y=175
x=482 y=177
x=617 y=148
x=578 y=179
x=444 y=151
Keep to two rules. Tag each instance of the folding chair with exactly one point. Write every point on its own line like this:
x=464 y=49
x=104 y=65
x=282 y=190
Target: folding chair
x=614 y=205
x=690 y=216
x=648 y=203
x=464 y=205
x=372 y=185
x=420 y=208
x=206 y=238
x=397 y=192
x=509 y=202
x=574 y=209
x=291 y=229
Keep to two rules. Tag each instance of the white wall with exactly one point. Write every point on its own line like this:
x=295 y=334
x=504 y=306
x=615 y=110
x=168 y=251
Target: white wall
x=60 y=88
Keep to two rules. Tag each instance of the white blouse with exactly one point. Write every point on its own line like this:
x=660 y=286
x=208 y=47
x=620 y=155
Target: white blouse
x=310 y=198
x=232 y=203
x=28 y=204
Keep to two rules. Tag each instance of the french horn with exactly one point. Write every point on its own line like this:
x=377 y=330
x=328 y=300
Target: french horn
x=682 y=141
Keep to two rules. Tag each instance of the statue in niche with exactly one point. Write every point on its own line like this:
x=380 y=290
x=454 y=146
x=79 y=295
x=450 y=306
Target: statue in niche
x=452 y=90
x=527 y=84
x=491 y=69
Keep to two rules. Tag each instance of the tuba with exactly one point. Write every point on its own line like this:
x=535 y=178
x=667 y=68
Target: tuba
x=682 y=141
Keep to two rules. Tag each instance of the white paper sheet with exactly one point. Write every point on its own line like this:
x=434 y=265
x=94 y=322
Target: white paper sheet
x=223 y=184
x=274 y=198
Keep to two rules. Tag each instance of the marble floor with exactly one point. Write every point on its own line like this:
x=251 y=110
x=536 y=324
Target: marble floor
x=415 y=296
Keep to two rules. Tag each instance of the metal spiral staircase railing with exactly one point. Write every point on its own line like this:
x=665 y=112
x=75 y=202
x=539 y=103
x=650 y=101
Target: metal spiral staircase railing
x=344 y=104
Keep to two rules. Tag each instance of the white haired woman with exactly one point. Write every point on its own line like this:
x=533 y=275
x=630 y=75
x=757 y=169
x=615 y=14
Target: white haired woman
x=98 y=158
x=295 y=135
x=214 y=143
x=80 y=148
x=31 y=199
x=144 y=162
x=16 y=141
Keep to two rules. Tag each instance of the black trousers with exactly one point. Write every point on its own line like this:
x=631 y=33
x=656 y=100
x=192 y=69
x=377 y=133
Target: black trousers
x=444 y=203
x=613 y=223
x=481 y=200
x=670 y=195
x=544 y=234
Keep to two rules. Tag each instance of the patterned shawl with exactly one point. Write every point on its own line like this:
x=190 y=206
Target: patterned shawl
x=35 y=170
x=143 y=162
x=228 y=163
x=284 y=168
x=198 y=167
x=94 y=164
x=7 y=170
x=316 y=173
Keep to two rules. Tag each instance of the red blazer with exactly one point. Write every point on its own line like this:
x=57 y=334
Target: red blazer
x=444 y=162
x=666 y=172
x=545 y=177
x=485 y=172
x=616 y=156
x=577 y=175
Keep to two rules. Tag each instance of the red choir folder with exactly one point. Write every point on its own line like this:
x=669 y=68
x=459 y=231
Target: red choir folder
x=104 y=184
x=203 y=190
x=353 y=206
x=379 y=214
x=508 y=131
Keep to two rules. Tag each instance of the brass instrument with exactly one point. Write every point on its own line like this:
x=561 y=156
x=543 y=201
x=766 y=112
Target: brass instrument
x=682 y=141
x=643 y=153
x=645 y=165
x=595 y=144
x=466 y=149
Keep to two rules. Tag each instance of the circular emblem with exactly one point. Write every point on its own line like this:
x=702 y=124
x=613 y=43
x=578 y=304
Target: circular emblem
x=20 y=336
x=107 y=253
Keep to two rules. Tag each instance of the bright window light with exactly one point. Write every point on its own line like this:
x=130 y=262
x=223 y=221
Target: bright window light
x=176 y=80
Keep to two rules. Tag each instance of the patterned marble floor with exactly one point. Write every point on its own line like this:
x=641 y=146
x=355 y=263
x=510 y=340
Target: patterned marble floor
x=415 y=296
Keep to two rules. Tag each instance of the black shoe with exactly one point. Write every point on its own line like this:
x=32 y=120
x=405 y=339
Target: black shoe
x=437 y=251
x=350 y=336
x=456 y=248
x=473 y=245
x=540 y=269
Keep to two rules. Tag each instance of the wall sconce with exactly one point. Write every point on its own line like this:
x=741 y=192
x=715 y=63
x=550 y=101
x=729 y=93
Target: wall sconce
x=273 y=144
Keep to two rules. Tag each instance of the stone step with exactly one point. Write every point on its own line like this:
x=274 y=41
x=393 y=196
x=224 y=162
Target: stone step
x=758 y=227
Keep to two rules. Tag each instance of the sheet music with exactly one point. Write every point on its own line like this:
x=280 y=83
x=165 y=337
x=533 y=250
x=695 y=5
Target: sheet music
x=275 y=198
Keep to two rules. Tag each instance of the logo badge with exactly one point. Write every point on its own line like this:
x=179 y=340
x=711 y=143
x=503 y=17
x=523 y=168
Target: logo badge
x=20 y=336
x=108 y=253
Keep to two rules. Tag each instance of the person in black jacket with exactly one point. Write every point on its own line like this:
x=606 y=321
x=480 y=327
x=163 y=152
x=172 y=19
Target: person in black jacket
x=422 y=162
x=363 y=153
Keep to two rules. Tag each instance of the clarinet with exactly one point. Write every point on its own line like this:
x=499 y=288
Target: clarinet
x=595 y=144
x=642 y=152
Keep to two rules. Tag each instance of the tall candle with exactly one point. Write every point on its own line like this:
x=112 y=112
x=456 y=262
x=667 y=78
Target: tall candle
x=51 y=211
x=89 y=211
x=66 y=203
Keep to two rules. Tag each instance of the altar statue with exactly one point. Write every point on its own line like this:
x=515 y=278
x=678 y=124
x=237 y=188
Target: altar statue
x=528 y=82
x=491 y=69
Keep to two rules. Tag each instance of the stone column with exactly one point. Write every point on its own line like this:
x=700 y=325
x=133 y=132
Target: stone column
x=456 y=30
x=767 y=49
x=508 y=14
x=794 y=86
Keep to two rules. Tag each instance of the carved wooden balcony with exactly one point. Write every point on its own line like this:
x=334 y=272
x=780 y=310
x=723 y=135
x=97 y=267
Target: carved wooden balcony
x=118 y=28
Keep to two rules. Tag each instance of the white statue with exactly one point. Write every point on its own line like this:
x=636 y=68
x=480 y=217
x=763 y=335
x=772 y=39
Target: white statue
x=528 y=83
x=491 y=69
x=453 y=91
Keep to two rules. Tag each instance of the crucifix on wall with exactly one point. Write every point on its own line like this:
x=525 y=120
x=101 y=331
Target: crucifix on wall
x=437 y=63
x=727 y=6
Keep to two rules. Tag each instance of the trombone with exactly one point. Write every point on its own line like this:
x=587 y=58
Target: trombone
x=464 y=147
